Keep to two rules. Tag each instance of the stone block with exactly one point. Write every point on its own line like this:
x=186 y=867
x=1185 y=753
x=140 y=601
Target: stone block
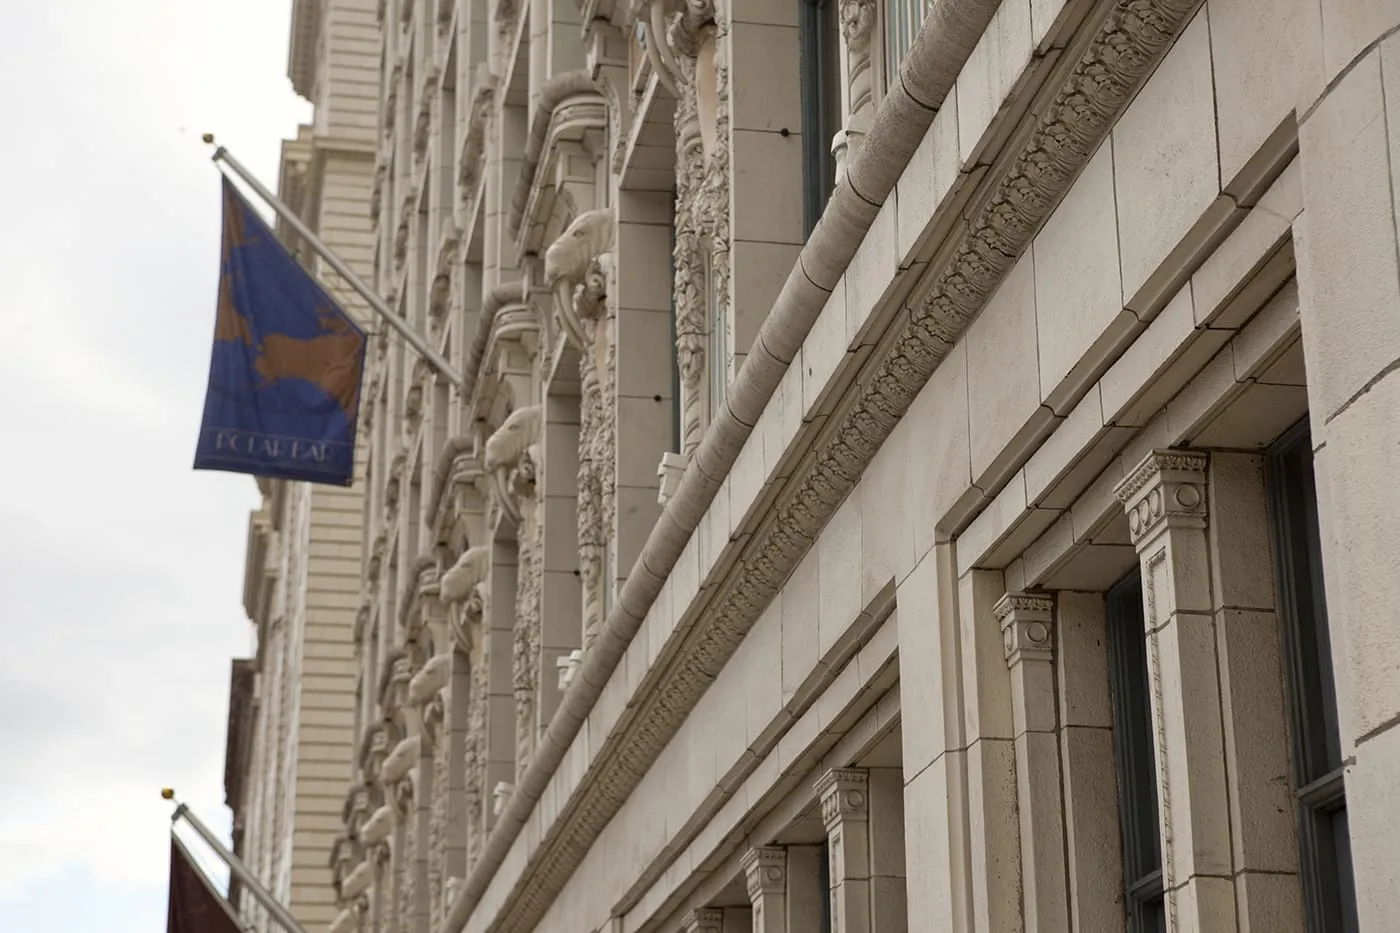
x=995 y=830
x=1349 y=27
x=1242 y=573
x=1255 y=46
x=1276 y=325
x=1256 y=741
x=1256 y=418
x=1247 y=249
x=1204 y=397
x=870 y=274
x=761 y=653
x=746 y=479
x=764 y=77
x=1003 y=387
x=1078 y=290
x=887 y=533
x=1348 y=273
x=1166 y=170
x=992 y=71
x=1092 y=838
x=1267 y=902
x=839 y=563
x=1194 y=762
x=644 y=354
x=823 y=352
x=1071 y=438
x=800 y=607
x=1082 y=658
x=933 y=846
x=939 y=445
x=1003 y=528
x=926 y=181
x=766 y=187
x=1374 y=819
x=1361 y=539
x=1205 y=903
x=1390 y=79
x=647 y=423
x=768 y=12
x=757 y=273
x=781 y=421
x=921 y=661
x=644 y=266
x=986 y=681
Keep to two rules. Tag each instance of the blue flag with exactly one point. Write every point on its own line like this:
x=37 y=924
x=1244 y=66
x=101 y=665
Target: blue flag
x=284 y=381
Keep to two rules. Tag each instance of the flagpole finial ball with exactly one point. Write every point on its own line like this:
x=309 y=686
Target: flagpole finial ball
x=167 y=793
x=208 y=139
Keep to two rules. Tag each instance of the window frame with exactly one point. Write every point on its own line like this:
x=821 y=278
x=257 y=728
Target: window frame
x=819 y=38
x=1135 y=756
x=1318 y=767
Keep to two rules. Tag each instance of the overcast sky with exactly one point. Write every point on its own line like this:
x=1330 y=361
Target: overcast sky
x=121 y=569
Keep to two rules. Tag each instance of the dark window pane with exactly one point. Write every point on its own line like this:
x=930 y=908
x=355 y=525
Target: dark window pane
x=826 y=888
x=820 y=37
x=1133 y=733
x=1346 y=884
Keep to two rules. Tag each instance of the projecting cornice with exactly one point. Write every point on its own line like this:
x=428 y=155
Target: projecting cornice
x=1110 y=57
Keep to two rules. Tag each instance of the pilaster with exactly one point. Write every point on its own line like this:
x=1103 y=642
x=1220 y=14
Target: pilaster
x=1165 y=499
x=1027 y=627
x=845 y=802
x=765 y=874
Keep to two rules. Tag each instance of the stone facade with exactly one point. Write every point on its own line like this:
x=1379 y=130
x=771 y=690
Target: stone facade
x=1066 y=427
x=290 y=750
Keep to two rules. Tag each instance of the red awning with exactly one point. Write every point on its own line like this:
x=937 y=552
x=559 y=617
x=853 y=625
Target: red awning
x=195 y=905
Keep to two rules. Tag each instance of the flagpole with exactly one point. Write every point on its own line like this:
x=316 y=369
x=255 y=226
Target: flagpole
x=410 y=335
x=235 y=865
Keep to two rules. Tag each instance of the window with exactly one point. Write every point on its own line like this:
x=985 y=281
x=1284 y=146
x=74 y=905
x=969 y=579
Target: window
x=1135 y=757
x=820 y=35
x=1323 y=835
x=825 y=885
x=902 y=21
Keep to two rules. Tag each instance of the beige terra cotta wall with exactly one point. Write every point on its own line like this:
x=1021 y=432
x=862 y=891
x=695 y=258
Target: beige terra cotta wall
x=919 y=469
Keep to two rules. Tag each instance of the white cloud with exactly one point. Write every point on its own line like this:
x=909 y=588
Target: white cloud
x=121 y=568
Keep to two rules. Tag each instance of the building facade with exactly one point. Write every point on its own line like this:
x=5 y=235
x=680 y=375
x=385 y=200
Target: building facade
x=906 y=467
x=290 y=746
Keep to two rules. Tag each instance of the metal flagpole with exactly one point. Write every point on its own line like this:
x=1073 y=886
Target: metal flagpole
x=413 y=338
x=235 y=865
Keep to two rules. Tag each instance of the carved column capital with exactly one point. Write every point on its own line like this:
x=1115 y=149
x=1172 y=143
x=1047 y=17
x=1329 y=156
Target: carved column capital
x=1027 y=624
x=845 y=796
x=1167 y=489
x=765 y=870
x=704 y=920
